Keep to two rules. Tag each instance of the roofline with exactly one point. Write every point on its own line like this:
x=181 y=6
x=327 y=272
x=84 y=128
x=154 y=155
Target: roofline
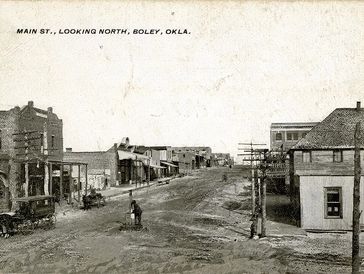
x=288 y=125
x=84 y=152
x=325 y=148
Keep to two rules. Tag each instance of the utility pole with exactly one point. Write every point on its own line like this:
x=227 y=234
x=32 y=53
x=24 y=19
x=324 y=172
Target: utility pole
x=252 y=153
x=23 y=141
x=356 y=203
x=263 y=185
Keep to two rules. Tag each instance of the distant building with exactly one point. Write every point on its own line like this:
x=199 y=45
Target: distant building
x=164 y=154
x=186 y=161
x=101 y=166
x=322 y=172
x=202 y=156
x=285 y=135
x=221 y=159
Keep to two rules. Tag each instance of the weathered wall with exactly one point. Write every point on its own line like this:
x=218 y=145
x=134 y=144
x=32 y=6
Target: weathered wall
x=43 y=121
x=322 y=163
x=312 y=200
x=9 y=124
x=287 y=144
x=96 y=160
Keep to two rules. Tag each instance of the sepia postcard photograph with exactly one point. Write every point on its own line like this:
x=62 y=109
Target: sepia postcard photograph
x=183 y=136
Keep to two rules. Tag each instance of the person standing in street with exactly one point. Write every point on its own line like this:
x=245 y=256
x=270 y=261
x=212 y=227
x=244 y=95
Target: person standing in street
x=137 y=212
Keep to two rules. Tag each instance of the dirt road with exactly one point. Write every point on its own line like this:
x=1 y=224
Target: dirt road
x=195 y=224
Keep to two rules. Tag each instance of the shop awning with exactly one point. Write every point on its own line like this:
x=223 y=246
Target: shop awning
x=155 y=166
x=125 y=155
x=168 y=164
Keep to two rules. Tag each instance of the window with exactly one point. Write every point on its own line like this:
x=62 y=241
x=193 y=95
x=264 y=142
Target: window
x=338 y=156
x=292 y=136
x=333 y=201
x=52 y=141
x=278 y=136
x=306 y=157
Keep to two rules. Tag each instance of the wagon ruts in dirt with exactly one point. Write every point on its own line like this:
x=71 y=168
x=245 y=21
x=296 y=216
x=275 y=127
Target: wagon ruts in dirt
x=34 y=212
x=93 y=199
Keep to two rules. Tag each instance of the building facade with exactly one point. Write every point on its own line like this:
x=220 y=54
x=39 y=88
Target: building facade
x=283 y=136
x=101 y=166
x=29 y=138
x=322 y=172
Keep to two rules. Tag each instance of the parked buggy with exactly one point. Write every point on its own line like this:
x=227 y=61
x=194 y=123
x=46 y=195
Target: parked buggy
x=34 y=212
x=93 y=199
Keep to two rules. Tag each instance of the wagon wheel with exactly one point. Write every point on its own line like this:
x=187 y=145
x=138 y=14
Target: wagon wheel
x=52 y=221
x=49 y=222
x=4 y=231
x=35 y=224
x=26 y=227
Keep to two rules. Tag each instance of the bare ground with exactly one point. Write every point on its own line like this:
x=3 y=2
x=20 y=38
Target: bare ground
x=196 y=224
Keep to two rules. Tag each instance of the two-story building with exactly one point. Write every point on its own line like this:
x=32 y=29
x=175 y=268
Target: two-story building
x=30 y=138
x=322 y=172
x=202 y=156
x=283 y=136
x=165 y=159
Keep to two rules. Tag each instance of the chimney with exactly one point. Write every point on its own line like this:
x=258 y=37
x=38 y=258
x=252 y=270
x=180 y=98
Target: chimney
x=50 y=109
x=16 y=109
x=358 y=105
x=68 y=149
x=30 y=104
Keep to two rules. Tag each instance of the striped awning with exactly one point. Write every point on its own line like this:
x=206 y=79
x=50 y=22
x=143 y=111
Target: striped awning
x=168 y=164
x=125 y=155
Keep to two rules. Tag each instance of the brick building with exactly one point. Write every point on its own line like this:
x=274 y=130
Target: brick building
x=286 y=135
x=29 y=137
x=102 y=166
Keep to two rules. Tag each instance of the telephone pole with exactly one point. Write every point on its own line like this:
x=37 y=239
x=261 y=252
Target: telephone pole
x=356 y=203
x=253 y=153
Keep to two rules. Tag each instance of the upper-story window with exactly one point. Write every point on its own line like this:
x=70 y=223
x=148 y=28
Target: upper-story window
x=292 y=136
x=306 y=157
x=52 y=141
x=338 y=156
x=279 y=136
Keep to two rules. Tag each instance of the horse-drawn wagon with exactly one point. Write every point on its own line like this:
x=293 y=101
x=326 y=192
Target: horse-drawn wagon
x=33 y=212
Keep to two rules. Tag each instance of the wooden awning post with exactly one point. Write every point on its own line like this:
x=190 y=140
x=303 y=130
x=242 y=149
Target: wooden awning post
x=26 y=187
x=61 y=183
x=79 y=184
x=86 y=180
x=50 y=178
x=46 y=178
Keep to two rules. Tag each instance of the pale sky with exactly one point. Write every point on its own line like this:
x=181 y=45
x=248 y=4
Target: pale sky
x=244 y=66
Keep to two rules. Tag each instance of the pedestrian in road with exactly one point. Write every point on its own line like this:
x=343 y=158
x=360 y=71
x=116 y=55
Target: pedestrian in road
x=137 y=212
